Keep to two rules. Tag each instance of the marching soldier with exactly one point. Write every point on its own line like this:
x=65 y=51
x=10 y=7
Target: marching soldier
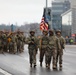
x=6 y=47
x=1 y=44
x=59 y=56
x=10 y=43
x=19 y=42
x=32 y=48
x=52 y=49
x=14 y=41
x=23 y=41
x=4 y=41
x=44 y=41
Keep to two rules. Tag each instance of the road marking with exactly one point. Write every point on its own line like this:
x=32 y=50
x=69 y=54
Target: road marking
x=4 y=72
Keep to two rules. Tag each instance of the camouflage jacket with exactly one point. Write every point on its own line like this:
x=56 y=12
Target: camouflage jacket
x=62 y=42
x=44 y=41
x=32 y=42
x=54 y=42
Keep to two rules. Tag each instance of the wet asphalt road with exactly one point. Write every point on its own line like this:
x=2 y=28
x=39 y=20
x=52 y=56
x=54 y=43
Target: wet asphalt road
x=19 y=64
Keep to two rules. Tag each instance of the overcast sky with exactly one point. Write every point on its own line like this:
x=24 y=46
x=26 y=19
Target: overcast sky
x=21 y=11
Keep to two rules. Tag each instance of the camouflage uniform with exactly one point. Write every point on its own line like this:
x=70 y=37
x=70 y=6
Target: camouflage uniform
x=1 y=45
x=10 y=43
x=19 y=42
x=52 y=49
x=32 y=48
x=44 y=41
x=14 y=41
x=23 y=41
x=6 y=48
x=60 y=51
x=4 y=41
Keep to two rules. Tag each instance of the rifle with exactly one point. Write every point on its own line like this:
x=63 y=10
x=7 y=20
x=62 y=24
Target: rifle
x=19 y=38
x=62 y=46
x=33 y=43
x=51 y=48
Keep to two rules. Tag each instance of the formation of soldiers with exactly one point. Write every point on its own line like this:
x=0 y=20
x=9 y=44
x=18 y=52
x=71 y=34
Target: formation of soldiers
x=50 y=45
x=12 y=42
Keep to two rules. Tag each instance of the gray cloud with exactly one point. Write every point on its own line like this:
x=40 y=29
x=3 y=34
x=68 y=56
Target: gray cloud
x=21 y=11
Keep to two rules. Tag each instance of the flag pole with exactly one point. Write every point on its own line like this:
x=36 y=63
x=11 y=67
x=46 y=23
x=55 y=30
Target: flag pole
x=46 y=8
x=46 y=3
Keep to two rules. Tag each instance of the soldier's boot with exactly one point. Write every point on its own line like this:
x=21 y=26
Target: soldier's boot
x=20 y=51
x=14 y=52
x=60 y=66
x=35 y=65
x=30 y=64
x=54 y=66
x=41 y=64
x=48 y=66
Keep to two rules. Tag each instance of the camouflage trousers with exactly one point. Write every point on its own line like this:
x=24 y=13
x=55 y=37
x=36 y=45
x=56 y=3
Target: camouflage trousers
x=22 y=46
x=15 y=47
x=59 y=57
x=10 y=47
x=32 y=56
x=50 y=55
x=19 y=46
x=42 y=53
x=1 y=49
x=5 y=46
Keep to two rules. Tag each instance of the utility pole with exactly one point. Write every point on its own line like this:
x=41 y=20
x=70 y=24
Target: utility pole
x=46 y=9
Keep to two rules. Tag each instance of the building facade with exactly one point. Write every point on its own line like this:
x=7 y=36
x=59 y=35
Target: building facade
x=58 y=7
x=73 y=3
x=69 y=21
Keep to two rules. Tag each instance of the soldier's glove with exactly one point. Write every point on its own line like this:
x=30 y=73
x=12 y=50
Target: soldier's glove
x=63 y=47
x=32 y=42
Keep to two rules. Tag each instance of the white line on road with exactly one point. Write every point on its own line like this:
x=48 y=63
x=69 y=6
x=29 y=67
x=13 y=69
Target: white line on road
x=4 y=72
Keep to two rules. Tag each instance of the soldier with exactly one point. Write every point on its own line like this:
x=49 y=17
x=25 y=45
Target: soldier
x=1 y=45
x=32 y=48
x=60 y=51
x=23 y=41
x=4 y=41
x=10 y=42
x=6 y=47
x=19 y=42
x=44 y=41
x=14 y=41
x=52 y=49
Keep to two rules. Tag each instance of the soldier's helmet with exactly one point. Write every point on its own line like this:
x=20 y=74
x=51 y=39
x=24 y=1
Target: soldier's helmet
x=22 y=32
x=32 y=31
x=1 y=31
x=58 y=31
x=14 y=32
x=7 y=32
x=11 y=33
x=18 y=31
x=45 y=31
x=50 y=30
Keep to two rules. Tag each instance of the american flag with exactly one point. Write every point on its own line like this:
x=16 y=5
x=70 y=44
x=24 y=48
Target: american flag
x=43 y=24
